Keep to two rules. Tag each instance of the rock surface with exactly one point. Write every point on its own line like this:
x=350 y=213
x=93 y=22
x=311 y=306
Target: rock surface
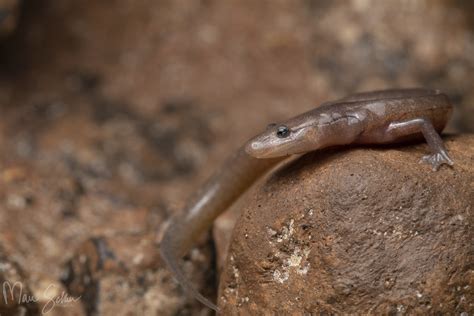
x=350 y=231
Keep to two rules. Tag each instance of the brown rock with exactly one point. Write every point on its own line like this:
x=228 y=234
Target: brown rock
x=353 y=231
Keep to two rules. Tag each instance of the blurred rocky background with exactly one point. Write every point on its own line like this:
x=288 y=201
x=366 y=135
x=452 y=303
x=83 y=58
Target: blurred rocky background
x=113 y=111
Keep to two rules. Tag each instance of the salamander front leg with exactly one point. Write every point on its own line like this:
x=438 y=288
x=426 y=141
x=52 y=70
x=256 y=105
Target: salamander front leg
x=439 y=154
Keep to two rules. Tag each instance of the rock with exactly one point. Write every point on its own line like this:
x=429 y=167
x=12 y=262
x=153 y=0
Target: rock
x=222 y=232
x=357 y=231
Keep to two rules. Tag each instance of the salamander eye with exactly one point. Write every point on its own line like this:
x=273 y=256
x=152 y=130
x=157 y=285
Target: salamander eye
x=283 y=131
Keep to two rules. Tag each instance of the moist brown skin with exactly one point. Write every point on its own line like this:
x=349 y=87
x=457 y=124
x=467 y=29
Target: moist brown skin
x=377 y=117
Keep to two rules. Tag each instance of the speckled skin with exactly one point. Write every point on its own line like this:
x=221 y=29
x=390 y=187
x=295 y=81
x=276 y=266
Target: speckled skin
x=366 y=118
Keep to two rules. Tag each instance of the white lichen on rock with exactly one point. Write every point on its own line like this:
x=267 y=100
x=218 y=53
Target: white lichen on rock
x=297 y=262
x=235 y=270
x=280 y=277
x=294 y=257
x=286 y=232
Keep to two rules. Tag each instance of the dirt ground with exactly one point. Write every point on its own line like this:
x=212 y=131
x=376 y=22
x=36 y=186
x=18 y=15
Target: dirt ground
x=113 y=112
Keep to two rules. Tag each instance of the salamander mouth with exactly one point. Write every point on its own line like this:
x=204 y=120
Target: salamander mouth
x=266 y=146
x=258 y=149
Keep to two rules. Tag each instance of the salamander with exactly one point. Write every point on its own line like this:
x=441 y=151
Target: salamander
x=377 y=117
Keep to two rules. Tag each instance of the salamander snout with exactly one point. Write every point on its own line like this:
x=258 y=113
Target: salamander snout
x=265 y=144
x=277 y=141
x=258 y=148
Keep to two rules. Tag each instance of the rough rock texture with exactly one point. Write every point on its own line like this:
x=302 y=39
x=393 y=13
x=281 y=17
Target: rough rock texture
x=353 y=231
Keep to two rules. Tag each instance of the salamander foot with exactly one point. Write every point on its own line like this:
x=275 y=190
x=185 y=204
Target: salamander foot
x=437 y=159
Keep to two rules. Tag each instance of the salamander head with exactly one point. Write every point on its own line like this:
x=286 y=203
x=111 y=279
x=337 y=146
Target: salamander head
x=280 y=140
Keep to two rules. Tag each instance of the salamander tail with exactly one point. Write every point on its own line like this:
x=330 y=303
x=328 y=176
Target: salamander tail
x=171 y=258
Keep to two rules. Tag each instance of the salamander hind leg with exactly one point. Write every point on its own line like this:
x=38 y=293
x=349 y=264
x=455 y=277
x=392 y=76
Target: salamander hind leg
x=439 y=153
